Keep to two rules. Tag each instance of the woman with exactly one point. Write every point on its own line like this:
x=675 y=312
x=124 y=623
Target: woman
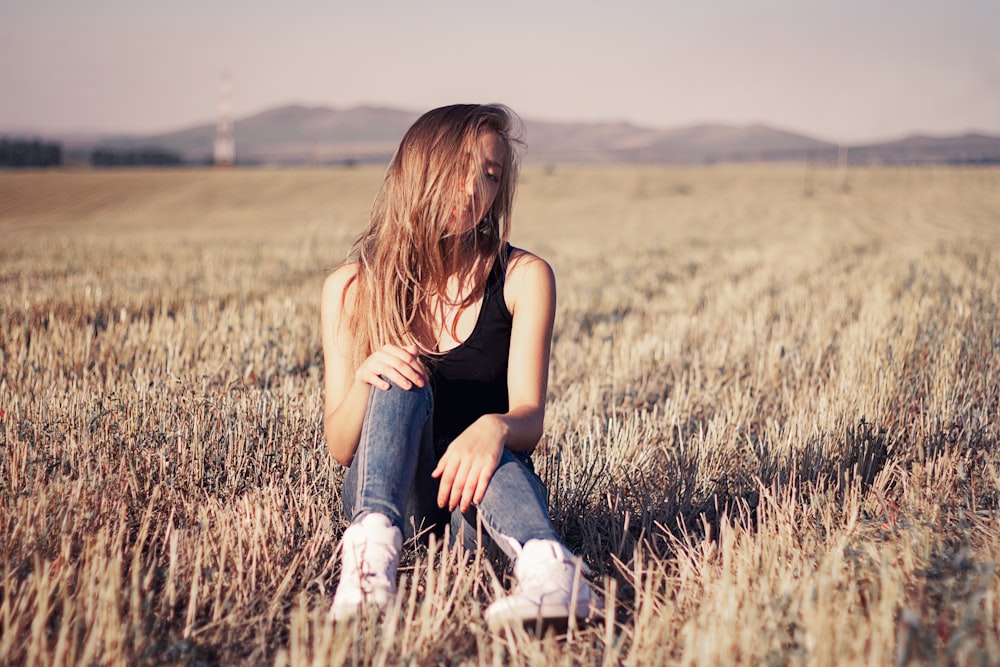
x=436 y=340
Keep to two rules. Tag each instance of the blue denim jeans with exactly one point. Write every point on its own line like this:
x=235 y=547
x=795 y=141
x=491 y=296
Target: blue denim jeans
x=391 y=474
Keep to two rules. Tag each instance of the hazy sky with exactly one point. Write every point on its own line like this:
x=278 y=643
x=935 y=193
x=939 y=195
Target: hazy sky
x=849 y=70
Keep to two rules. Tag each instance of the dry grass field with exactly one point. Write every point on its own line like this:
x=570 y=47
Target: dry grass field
x=772 y=427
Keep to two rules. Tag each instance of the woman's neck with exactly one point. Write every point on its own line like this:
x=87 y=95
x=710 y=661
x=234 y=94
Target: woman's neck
x=450 y=316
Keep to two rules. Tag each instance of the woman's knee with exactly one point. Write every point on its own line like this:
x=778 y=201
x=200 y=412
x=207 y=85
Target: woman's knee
x=396 y=399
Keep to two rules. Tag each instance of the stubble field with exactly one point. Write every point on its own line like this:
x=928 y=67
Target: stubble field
x=772 y=426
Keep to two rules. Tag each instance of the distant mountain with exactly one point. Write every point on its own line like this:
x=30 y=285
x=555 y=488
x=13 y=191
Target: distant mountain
x=367 y=134
x=965 y=149
x=292 y=135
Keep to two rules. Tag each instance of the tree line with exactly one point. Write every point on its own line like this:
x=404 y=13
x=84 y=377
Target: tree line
x=134 y=157
x=21 y=153
x=36 y=153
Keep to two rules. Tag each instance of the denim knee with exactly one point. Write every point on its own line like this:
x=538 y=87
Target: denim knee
x=399 y=400
x=381 y=476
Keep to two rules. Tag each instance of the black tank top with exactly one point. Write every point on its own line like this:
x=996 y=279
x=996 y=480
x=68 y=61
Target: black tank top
x=470 y=380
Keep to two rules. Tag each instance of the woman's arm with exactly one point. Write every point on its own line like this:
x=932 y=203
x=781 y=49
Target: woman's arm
x=346 y=388
x=468 y=464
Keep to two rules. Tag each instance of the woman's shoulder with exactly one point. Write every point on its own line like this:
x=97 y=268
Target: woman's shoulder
x=523 y=264
x=528 y=276
x=340 y=285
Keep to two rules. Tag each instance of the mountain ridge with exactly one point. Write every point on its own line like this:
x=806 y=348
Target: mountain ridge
x=316 y=134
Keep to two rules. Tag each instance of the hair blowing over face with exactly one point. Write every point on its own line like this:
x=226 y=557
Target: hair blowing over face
x=409 y=249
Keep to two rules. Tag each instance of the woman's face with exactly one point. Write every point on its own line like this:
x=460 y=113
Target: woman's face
x=481 y=183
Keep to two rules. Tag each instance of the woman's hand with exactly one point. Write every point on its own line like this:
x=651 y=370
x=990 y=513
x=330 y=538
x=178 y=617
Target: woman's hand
x=468 y=463
x=400 y=364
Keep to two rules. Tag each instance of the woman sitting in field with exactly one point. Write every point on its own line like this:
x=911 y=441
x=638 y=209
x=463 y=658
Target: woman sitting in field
x=436 y=340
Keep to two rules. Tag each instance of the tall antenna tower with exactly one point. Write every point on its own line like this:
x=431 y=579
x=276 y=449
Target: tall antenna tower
x=225 y=147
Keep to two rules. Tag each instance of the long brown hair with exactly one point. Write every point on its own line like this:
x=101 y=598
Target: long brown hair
x=409 y=250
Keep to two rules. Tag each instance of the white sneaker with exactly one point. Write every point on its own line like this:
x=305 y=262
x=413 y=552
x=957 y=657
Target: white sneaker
x=550 y=589
x=369 y=556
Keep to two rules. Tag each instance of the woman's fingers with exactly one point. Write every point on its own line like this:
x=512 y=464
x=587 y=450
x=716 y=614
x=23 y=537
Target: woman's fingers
x=485 y=475
x=410 y=360
x=453 y=477
x=462 y=485
x=446 y=471
x=470 y=492
x=378 y=381
x=380 y=376
x=396 y=364
x=398 y=369
x=458 y=488
x=467 y=466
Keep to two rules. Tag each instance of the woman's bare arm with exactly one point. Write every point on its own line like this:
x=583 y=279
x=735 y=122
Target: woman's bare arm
x=531 y=297
x=346 y=388
x=344 y=400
